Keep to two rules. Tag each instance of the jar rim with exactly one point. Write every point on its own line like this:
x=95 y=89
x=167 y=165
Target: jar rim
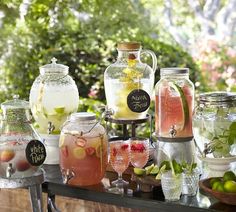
x=173 y=70
x=218 y=96
x=82 y=116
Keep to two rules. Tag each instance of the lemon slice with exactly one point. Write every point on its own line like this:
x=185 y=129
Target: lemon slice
x=59 y=110
x=184 y=104
x=139 y=171
x=61 y=140
x=79 y=153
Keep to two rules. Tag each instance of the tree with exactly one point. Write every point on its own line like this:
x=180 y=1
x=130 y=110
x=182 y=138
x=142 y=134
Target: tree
x=81 y=34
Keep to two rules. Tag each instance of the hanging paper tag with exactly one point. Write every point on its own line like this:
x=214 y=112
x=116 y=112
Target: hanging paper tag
x=138 y=100
x=35 y=152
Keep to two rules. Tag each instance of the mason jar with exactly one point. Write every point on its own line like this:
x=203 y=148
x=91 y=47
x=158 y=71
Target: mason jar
x=174 y=104
x=129 y=82
x=83 y=150
x=214 y=125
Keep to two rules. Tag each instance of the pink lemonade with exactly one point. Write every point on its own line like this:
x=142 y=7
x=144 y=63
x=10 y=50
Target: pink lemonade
x=139 y=152
x=119 y=156
x=173 y=111
x=85 y=156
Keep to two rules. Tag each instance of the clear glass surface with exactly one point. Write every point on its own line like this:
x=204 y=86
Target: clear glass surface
x=139 y=152
x=190 y=183
x=171 y=186
x=119 y=159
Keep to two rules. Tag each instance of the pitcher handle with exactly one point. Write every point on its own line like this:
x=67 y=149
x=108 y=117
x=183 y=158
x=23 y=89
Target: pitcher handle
x=154 y=58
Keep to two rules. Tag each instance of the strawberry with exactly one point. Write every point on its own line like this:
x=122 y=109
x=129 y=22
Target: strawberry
x=114 y=152
x=138 y=147
x=90 y=151
x=64 y=151
x=124 y=146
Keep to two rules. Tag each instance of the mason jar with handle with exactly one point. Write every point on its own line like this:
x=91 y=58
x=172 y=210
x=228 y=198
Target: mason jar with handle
x=129 y=82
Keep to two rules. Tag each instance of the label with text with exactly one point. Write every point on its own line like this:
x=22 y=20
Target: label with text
x=138 y=100
x=35 y=152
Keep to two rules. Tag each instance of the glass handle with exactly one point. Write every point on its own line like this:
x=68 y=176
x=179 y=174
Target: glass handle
x=154 y=59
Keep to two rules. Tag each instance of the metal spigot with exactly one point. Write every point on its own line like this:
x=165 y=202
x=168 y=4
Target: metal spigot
x=10 y=170
x=172 y=131
x=51 y=127
x=208 y=148
x=67 y=175
x=108 y=112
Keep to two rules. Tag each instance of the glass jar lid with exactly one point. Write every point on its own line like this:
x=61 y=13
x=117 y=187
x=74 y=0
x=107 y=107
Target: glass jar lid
x=54 y=68
x=127 y=46
x=170 y=71
x=217 y=97
x=16 y=103
x=82 y=116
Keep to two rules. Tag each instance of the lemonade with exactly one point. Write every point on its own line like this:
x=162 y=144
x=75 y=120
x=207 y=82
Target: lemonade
x=116 y=95
x=52 y=103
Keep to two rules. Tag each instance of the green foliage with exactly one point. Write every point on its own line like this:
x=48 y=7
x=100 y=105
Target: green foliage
x=81 y=34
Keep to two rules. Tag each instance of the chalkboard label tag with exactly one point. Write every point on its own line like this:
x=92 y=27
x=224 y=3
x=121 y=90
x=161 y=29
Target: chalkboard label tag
x=138 y=100
x=35 y=152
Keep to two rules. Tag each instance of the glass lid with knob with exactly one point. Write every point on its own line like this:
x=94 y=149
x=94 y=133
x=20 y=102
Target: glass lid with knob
x=53 y=96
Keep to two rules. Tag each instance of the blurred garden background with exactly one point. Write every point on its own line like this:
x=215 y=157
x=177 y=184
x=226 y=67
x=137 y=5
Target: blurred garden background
x=198 y=34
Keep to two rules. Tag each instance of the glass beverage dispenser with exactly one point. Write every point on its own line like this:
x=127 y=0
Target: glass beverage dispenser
x=173 y=115
x=53 y=97
x=17 y=137
x=129 y=83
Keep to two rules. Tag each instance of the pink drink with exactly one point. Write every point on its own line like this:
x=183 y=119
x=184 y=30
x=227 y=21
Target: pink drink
x=139 y=152
x=119 y=156
x=174 y=111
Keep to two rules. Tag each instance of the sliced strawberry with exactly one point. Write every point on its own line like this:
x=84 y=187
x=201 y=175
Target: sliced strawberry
x=90 y=151
x=65 y=151
x=124 y=146
x=114 y=152
x=138 y=147
x=80 y=142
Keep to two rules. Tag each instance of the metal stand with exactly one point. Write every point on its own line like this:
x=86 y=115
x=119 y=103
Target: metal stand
x=33 y=183
x=132 y=122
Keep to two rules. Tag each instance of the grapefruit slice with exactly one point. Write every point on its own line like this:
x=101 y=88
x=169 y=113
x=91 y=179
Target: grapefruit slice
x=184 y=104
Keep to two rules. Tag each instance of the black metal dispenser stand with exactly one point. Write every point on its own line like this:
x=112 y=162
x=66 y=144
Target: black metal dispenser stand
x=124 y=122
x=33 y=183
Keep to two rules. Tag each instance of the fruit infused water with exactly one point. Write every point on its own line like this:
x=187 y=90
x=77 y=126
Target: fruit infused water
x=139 y=152
x=52 y=103
x=174 y=105
x=83 y=150
x=12 y=155
x=119 y=159
x=85 y=156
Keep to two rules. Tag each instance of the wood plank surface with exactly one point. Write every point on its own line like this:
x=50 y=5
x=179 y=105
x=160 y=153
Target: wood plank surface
x=18 y=200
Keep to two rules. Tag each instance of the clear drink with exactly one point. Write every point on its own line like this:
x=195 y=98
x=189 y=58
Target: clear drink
x=171 y=186
x=51 y=103
x=119 y=159
x=85 y=156
x=139 y=152
x=116 y=95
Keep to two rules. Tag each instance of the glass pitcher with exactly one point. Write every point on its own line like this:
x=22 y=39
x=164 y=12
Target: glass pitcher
x=16 y=136
x=53 y=96
x=129 y=82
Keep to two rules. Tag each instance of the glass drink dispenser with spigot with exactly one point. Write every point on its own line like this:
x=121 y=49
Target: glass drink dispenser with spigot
x=173 y=114
x=53 y=97
x=21 y=149
x=129 y=82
